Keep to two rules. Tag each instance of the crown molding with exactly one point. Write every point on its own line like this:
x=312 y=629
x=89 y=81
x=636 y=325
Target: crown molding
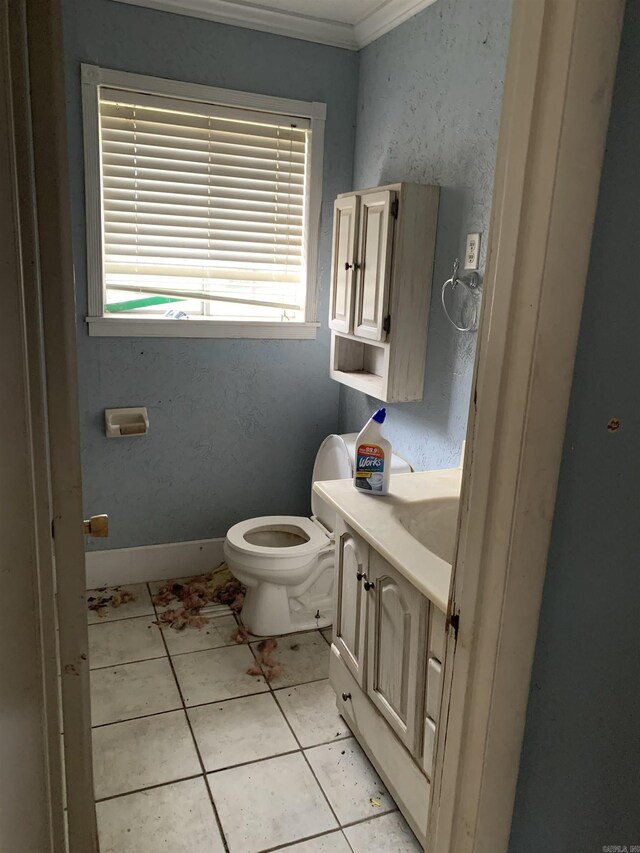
x=386 y=18
x=257 y=17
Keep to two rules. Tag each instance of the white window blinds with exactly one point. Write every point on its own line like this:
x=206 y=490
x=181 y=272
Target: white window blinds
x=204 y=209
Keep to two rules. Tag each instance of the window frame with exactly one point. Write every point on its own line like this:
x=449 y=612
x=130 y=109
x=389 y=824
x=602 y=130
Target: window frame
x=93 y=78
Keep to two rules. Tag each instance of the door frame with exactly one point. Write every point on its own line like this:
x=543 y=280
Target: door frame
x=38 y=213
x=558 y=86
x=31 y=774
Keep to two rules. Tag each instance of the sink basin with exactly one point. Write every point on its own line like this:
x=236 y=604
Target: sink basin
x=433 y=523
x=413 y=527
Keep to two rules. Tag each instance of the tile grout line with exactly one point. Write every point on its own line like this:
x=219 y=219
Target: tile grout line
x=253 y=761
x=290 y=844
x=139 y=717
x=198 y=652
x=125 y=662
x=341 y=826
x=373 y=817
x=153 y=612
x=304 y=757
x=178 y=708
x=219 y=702
x=148 y=788
x=105 y=621
x=195 y=743
x=157 y=657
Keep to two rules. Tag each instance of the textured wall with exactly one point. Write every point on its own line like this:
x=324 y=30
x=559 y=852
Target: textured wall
x=428 y=111
x=580 y=767
x=234 y=424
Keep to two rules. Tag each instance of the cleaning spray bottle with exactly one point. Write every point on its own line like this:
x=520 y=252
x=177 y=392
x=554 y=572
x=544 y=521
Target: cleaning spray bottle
x=373 y=457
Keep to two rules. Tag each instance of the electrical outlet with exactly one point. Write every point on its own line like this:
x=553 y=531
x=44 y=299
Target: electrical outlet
x=472 y=252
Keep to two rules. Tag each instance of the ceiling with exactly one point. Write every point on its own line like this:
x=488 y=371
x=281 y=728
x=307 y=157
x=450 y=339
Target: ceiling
x=343 y=23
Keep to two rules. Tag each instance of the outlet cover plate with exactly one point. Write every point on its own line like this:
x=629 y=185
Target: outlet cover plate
x=472 y=252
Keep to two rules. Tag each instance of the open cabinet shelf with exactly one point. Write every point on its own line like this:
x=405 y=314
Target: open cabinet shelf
x=362 y=365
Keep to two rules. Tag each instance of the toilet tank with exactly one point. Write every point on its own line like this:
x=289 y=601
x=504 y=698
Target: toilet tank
x=335 y=460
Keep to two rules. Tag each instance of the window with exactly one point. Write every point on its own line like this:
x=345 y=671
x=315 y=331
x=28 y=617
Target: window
x=203 y=208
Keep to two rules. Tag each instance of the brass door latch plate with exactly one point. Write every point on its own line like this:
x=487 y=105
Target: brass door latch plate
x=97 y=525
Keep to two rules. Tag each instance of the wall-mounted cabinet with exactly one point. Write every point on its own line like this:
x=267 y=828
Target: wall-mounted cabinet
x=382 y=266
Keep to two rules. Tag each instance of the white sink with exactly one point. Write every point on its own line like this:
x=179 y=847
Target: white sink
x=433 y=523
x=413 y=527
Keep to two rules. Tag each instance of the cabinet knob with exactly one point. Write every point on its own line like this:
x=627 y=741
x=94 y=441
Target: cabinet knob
x=359 y=576
x=348 y=266
x=346 y=696
x=368 y=585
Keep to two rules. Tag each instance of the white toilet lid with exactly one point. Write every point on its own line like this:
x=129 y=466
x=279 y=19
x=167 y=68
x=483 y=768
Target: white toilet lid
x=333 y=462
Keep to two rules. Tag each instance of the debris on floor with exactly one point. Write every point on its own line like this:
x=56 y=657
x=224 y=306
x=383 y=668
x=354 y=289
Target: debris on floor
x=217 y=587
x=266 y=664
x=240 y=635
x=113 y=597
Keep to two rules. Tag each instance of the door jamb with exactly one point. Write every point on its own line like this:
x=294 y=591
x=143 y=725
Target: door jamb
x=41 y=45
x=557 y=97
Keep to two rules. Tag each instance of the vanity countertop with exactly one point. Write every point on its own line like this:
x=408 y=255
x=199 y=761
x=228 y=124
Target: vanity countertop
x=424 y=502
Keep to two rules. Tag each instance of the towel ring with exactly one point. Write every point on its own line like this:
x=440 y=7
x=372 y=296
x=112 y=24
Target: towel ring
x=472 y=283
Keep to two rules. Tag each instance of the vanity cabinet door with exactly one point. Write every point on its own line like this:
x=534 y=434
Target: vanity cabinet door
x=349 y=624
x=396 y=650
x=345 y=225
x=374 y=264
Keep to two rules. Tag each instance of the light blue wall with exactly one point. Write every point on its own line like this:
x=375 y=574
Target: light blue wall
x=580 y=770
x=429 y=103
x=234 y=424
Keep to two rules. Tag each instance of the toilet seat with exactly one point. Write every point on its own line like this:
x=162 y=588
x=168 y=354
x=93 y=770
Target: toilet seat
x=315 y=538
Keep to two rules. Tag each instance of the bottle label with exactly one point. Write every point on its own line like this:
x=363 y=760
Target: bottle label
x=370 y=468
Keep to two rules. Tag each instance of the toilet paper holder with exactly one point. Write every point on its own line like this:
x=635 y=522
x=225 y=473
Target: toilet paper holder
x=121 y=423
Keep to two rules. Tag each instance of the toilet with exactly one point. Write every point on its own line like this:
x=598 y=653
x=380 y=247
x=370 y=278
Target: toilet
x=286 y=561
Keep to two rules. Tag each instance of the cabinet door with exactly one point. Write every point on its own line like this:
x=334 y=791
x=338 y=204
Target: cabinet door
x=345 y=225
x=349 y=625
x=375 y=243
x=396 y=651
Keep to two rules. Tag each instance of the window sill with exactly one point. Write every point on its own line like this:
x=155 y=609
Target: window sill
x=150 y=328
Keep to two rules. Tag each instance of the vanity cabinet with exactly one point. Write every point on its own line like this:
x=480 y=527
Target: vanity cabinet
x=397 y=624
x=349 y=624
x=386 y=670
x=381 y=272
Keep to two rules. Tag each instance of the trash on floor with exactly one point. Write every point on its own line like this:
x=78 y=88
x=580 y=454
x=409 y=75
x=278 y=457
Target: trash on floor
x=218 y=587
x=266 y=664
x=113 y=597
x=240 y=635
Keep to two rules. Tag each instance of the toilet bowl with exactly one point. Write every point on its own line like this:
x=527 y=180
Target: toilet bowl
x=287 y=561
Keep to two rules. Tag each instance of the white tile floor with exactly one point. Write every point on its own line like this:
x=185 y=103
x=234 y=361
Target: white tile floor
x=192 y=755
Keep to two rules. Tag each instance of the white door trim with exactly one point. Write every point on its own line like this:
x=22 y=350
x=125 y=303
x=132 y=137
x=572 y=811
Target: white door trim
x=31 y=775
x=557 y=96
x=50 y=183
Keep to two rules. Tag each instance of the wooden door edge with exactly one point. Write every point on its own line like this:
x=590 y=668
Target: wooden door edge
x=558 y=87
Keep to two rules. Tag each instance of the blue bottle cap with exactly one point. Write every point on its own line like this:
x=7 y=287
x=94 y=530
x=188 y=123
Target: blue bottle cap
x=380 y=415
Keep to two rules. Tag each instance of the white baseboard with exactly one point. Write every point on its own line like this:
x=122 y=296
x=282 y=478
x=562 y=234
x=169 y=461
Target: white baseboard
x=152 y=562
